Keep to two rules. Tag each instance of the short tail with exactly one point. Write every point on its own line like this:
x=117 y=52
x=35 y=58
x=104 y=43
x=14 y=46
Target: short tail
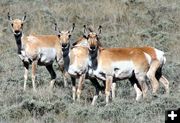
x=164 y=60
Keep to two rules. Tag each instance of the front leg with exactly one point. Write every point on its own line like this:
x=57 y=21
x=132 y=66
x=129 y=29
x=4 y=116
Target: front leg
x=65 y=74
x=137 y=87
x=73 y=79
x=80 y=84
x=113 y=86
x=34 y=67
x=26 y=68
x=98 y=87
x=109 y=80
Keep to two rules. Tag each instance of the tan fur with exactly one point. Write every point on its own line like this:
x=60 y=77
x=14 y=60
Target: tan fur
x=154 y=65
x=32 y=44
x=79 y=54
x=81 y=39
x=78 y=59
x=150 y=51
x=106 y=57
x=17 y=25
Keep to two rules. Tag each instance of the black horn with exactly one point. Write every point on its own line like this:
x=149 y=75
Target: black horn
x=72 y=29
x=55 y=24
x=24 y=18
x=85 y=29
x=99 y=29
x=9 y=17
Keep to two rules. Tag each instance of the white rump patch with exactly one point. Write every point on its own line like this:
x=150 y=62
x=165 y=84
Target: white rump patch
x=160 y=56
x=148 y=57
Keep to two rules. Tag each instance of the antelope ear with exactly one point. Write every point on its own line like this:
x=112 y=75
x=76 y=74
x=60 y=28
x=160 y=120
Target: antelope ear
x=9 y=17
x=74 y=43
x=99 y=29
x=55 y=27
x=90 y=29
x=85 y=35
x=57 y=30
x=24 y=18
x=72 y=29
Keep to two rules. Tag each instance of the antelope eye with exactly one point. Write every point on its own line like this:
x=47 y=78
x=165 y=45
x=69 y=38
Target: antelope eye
x=12 y=24
x=22 y=24
x=69 y=36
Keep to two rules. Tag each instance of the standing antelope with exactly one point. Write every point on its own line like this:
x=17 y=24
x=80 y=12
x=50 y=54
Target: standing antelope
x=117 y=63
x=76 y=62
x=36 y=50
x=155 y=71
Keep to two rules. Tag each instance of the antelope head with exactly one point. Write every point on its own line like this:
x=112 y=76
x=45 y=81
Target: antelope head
x=92 y=38
x=64 y=37
x=17 y=24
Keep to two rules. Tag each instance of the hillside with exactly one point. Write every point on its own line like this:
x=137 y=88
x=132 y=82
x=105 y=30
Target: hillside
x=125 y=23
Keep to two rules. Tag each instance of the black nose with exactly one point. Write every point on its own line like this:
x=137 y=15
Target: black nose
x=64 y=45
x=92 y=47
x=16 y=31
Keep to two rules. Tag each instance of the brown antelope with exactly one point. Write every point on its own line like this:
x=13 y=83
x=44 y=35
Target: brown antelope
x=36 y=50
x=154 y=74
x=76 y=62
x=117 y=63
x=155 y=71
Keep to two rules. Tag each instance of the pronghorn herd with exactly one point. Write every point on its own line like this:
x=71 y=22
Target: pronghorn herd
x=87 y=59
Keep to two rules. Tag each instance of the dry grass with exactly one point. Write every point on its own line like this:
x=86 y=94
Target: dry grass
x=126 y=23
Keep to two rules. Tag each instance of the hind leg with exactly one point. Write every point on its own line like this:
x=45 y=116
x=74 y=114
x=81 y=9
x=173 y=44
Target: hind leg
x=162 y=79
x=165 y=82
x=151 y=74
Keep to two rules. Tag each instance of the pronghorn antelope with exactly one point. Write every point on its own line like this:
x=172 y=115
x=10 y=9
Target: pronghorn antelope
x=117 y=63
x=76 y=62
x=36 y=50
x=155 y=71
x=154 y=74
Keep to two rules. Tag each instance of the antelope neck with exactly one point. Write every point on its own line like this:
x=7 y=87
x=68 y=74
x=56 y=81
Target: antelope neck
x=18 y=42
x=93 y=58
x=66 y=57
x=66 y=51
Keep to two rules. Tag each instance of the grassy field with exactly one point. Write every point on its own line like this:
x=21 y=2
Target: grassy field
x=126 y=23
